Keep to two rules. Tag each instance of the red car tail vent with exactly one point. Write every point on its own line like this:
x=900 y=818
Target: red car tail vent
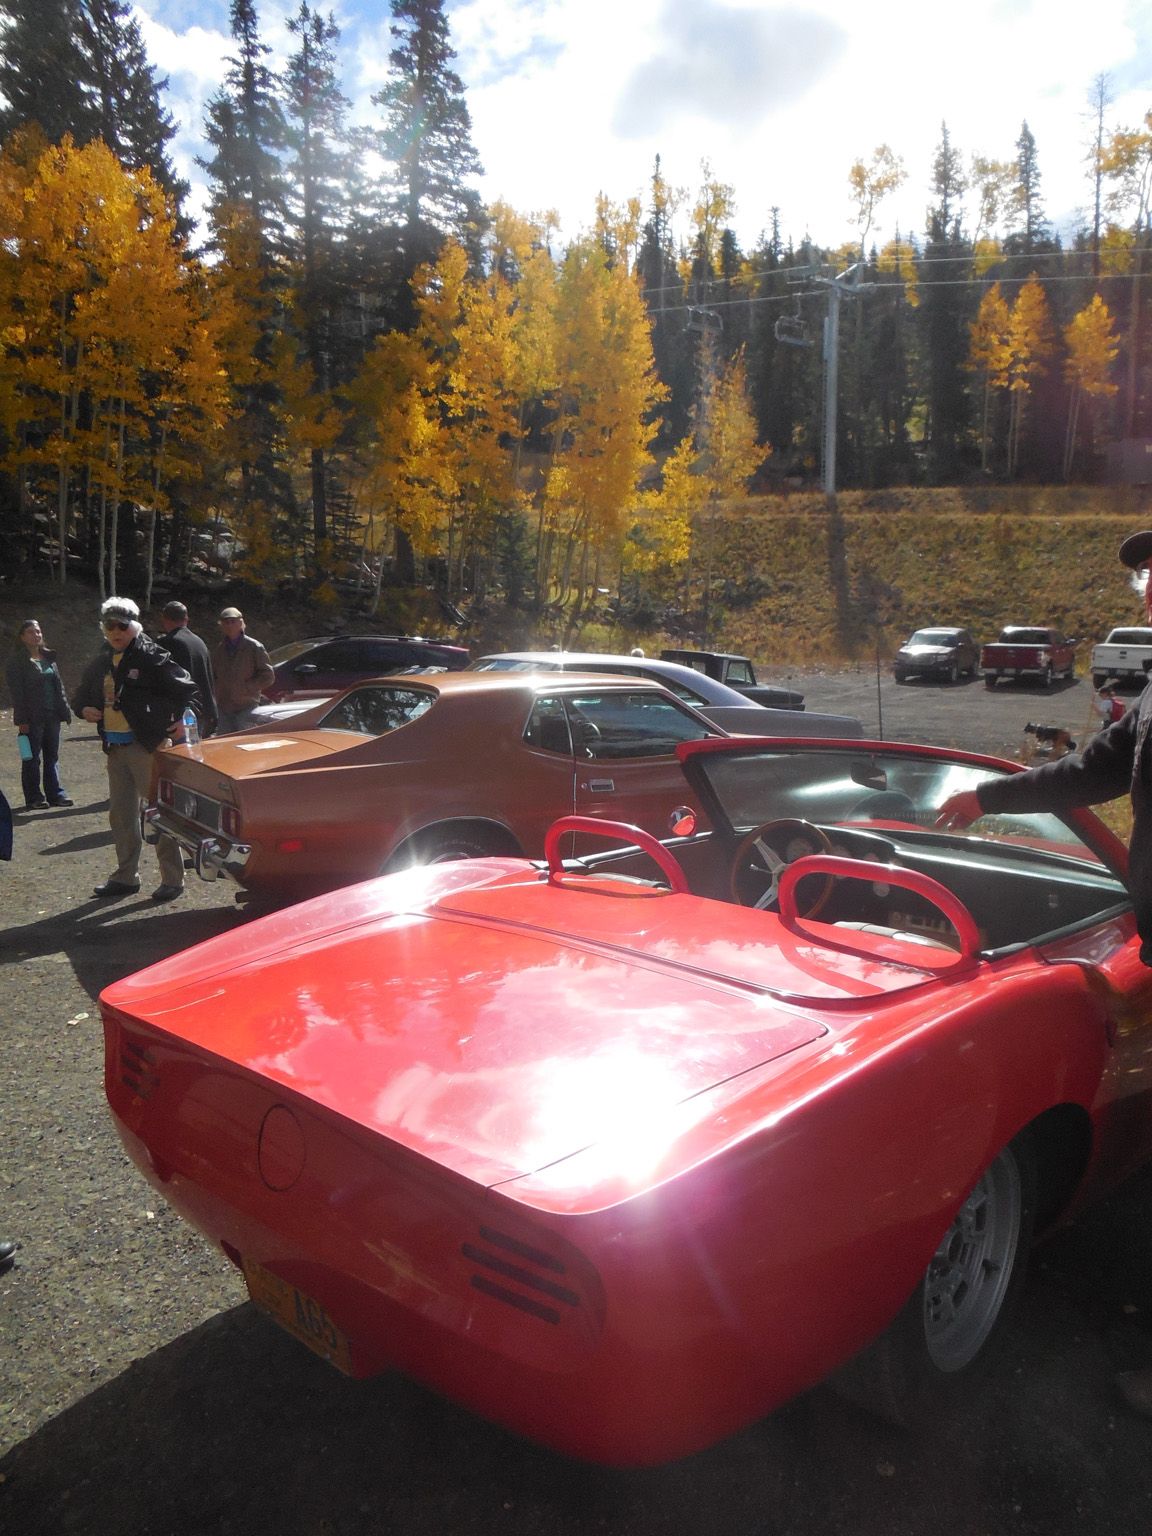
x=137 y=1070
x=512 y=1274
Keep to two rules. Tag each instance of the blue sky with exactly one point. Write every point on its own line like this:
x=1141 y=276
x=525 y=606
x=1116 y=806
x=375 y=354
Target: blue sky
x=574 y=97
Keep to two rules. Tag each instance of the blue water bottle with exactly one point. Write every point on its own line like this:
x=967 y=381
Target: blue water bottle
x=191 y=729
x=24 y=746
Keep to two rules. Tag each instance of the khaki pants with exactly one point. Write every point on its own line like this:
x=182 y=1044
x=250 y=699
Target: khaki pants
x=129 y=780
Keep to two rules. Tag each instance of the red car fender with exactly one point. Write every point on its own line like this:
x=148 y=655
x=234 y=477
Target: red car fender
x=823 y=1219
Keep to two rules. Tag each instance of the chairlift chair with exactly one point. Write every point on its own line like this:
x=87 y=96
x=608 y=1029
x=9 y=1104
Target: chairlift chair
x=700 y=319
x=792 y=330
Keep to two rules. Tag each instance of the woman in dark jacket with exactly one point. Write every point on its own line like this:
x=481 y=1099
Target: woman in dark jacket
x=39 y=709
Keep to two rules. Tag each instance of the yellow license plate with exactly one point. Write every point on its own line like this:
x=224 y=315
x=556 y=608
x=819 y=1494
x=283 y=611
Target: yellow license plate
x=299 y=1314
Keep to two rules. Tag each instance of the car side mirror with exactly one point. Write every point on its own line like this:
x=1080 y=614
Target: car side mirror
x=682 y=822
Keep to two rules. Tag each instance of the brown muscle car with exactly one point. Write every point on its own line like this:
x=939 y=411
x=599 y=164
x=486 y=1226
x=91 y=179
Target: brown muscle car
x=424 y=768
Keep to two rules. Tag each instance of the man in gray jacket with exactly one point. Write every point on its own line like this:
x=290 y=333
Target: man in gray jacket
x=242 y=671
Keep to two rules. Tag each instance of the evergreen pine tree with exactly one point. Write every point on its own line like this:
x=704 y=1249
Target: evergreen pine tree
x=1031 y=232
x=664 y=295
x=41 y=69
x=245 y=129
x=316 y=178
x=124 y=94
x=944 y=314
x=79 y=67
x=427 y=138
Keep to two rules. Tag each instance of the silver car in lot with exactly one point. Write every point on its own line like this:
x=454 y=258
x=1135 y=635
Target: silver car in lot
x=719 y=703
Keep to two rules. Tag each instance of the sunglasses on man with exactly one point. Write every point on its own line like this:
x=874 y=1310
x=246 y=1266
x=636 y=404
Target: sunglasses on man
x=120 y=624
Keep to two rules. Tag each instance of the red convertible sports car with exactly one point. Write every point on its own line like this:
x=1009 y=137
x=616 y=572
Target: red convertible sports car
x=624 y=1152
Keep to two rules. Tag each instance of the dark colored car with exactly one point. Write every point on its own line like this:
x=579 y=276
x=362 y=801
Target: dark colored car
x=738 y=673
x=941 y=652
x=329 y=665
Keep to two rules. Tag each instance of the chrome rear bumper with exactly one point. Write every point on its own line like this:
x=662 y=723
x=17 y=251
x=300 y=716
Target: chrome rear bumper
x=212 y=856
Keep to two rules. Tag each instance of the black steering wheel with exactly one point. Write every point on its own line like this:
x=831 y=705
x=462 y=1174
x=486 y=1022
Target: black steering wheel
x=765 y=852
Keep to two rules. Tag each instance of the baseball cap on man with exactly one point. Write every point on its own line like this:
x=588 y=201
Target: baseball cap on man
x=231 y=613
x=1136 y=549
x=119 y=608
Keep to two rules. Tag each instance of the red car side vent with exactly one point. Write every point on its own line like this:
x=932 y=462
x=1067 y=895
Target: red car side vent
x=513 y=1276
x=137 y=1072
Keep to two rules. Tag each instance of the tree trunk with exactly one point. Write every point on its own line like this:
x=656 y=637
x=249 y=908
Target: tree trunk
x=319 y=501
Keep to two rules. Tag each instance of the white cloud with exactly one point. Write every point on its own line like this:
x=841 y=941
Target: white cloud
x=573 y=97
x=726 y=65
x=548 y=135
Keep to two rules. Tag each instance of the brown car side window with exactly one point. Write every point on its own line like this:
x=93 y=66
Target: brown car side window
x=619 y=725
x=376 y=711
x=547 y=728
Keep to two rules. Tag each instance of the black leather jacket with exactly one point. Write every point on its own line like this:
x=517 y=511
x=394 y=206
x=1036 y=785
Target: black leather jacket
x=152 y=691
x=1115 y=761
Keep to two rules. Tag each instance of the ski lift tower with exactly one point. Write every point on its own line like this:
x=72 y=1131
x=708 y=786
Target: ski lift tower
x=846 y=283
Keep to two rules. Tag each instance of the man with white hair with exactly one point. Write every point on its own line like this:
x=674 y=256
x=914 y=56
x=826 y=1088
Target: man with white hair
x=134 y=693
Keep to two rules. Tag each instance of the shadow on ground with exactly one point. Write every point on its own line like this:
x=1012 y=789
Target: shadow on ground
x=234 y=1427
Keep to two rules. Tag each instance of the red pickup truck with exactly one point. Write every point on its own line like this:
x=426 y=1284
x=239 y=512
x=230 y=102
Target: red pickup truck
x=1030 y=651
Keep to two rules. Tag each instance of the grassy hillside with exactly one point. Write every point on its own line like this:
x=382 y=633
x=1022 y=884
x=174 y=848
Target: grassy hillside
x=807 y=584
x=794 y=585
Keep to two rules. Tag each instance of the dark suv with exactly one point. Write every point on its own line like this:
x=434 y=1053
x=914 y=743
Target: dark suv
x=942 y=652
x=327 y=666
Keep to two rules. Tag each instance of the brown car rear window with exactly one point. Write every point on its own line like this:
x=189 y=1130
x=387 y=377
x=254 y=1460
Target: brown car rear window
x=375 y=711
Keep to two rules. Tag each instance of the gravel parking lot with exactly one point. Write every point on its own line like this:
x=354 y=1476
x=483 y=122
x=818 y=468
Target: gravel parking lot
x=139 y=1393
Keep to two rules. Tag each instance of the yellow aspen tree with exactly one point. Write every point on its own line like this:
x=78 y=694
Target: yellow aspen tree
x=728 y=456
x=661 y=536
x=712 y=211
x=534 y=336
x=989 y=356
x=899 y=258
x=51 y=254
x=870 y=184
x=309 y=422
x=404 y=444
x=466 y=334
x=1125 y=164
x=1032 y=342
x=1092 y=350
x=242 y=309
x=992 y=182
x=488 y=417
x=608 y=394
x=140 y=326
x=96 y=285
x=617 y=228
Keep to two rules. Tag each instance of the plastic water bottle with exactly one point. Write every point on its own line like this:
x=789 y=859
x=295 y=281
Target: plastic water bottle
x=191 y=728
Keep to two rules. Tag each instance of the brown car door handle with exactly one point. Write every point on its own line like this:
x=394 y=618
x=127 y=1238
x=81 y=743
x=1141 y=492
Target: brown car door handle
x=600 y=786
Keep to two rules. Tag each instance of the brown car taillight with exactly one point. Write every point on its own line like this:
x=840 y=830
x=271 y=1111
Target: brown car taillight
x=165 y=792
x=230 y=821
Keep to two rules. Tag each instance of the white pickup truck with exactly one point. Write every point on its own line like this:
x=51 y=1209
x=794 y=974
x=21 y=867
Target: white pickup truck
x=1126 y=655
